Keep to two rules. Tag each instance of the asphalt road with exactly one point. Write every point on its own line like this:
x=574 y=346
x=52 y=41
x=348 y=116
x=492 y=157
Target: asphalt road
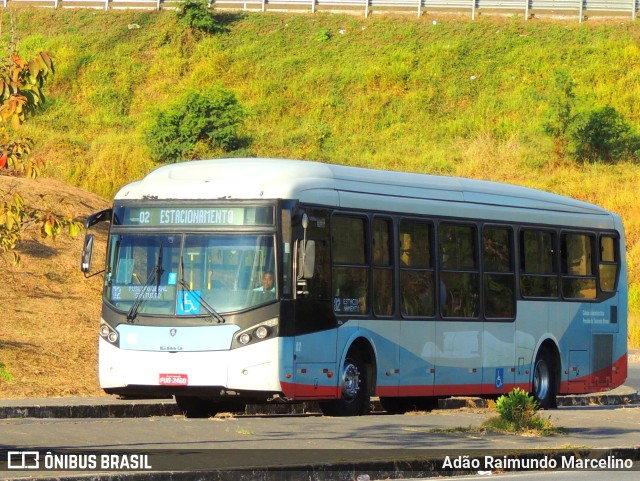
x=557 y=476
x=251 y=443
x=337 y=448
x=633 y=378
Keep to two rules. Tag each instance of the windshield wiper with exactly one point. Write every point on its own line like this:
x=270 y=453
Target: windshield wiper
x=141 y=298
x=207 y=307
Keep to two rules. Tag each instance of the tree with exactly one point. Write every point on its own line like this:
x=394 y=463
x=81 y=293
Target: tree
x=212 y=117
x=561 y=113
x=21 y=95
x=587 y=134
x=602 y=134
x=199 y=16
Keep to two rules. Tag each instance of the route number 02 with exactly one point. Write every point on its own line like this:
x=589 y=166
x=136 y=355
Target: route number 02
x=145 y=217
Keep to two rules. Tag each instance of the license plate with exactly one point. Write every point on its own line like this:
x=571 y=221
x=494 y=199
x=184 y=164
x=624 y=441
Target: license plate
x=174 y=379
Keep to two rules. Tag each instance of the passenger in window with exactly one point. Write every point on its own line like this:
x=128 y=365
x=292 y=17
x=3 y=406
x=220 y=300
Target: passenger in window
x=267 y=283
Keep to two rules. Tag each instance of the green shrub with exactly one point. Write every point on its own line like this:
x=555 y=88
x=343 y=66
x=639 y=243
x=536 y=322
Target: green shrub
x=197 y=122
x=197 y=15
x=603 y=135
x=324 y=35
x=517 y=408
x=591 y=135
x=519 y=413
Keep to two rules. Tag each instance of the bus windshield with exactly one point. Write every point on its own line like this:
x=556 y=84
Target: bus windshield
x=181 y=274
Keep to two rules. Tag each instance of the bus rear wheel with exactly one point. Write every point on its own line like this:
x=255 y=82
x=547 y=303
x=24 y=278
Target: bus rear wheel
x=354 y=386
x=544 y=381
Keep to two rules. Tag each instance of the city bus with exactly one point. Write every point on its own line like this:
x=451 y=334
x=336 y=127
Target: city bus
x=235 y=281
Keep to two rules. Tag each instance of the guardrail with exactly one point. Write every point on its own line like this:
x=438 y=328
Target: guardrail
x=581 y=9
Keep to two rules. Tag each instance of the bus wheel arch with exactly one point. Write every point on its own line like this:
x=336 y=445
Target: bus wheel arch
x=356 y=380
x=545 y=382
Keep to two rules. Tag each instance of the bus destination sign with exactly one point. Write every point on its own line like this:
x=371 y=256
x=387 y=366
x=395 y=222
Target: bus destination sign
x=197 y=216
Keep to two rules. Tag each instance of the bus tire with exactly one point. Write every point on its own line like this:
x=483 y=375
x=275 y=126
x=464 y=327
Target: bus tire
x=196 y=407
x=354 y=384
x=544 y=381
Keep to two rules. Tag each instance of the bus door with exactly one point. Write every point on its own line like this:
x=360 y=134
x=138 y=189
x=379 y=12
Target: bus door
x=315 y=333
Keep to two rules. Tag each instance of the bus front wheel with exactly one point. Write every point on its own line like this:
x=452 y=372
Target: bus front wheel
x=544 y=381
x=354 y=386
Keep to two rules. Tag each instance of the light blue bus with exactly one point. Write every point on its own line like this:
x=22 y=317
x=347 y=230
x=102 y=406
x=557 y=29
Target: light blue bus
x=235 y=281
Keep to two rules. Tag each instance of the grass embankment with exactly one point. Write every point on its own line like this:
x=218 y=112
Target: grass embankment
x=450 y=97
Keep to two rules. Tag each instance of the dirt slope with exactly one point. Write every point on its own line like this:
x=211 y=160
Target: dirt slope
x=49 y=312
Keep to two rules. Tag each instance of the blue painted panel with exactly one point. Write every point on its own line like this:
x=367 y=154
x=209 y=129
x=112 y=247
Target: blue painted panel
x=178 y=339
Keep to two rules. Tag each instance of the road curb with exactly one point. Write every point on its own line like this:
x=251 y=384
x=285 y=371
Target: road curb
x=408 y=465
x=113 y=408
x=125 y=409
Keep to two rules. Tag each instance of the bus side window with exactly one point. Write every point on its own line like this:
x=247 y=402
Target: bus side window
x=499 y=275
x=383 y=302
x=578 y=275
x=459 y=270
x=609 y=263
x=539 y=275
x=417 y=286
x=350 y=267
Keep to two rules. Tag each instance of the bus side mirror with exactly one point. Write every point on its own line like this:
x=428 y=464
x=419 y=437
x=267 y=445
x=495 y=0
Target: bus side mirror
x=87 y=253
x=308 y=261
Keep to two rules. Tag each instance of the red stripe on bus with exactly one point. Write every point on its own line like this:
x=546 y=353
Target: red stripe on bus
x=580 y=385
x=583 y=384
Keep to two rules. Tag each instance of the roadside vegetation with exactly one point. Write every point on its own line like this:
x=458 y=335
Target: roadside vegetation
x=551 y=105
x=518 y=413
x=546 y=104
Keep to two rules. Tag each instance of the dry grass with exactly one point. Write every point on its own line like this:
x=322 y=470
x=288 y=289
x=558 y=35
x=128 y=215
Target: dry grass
x=48 y=334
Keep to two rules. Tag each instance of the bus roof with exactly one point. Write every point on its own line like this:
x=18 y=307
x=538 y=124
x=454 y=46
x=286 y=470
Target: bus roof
x=333 y=185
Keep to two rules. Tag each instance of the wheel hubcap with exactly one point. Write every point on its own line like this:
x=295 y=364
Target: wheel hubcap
x=541 y=380
x=350 y=381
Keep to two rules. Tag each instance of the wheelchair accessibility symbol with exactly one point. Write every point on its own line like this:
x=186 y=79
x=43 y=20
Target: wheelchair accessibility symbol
x=499 y=378
x=188 y=303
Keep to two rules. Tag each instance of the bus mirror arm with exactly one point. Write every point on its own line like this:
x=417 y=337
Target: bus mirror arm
x=87 y=254
x=87 y=247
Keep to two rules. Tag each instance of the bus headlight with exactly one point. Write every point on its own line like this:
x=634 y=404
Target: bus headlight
x=108 y=333
x=259 y=332
x=262 y=332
